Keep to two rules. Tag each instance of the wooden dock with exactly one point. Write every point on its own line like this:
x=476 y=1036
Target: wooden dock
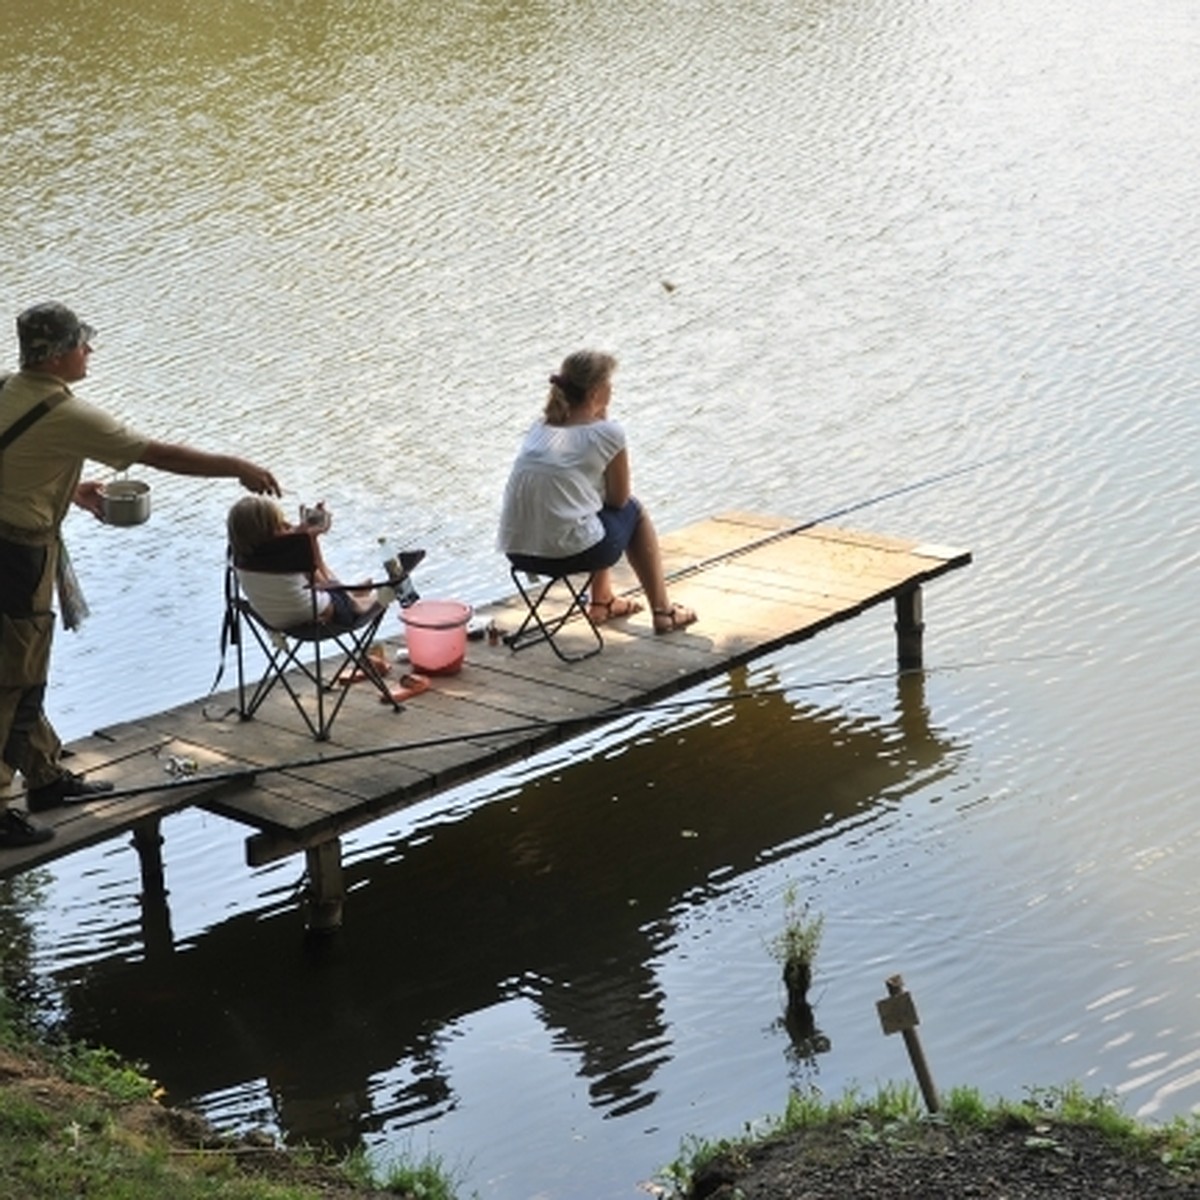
x=758 y=583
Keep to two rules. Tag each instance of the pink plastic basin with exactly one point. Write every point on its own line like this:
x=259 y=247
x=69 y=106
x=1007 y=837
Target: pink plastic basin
x=436 y=633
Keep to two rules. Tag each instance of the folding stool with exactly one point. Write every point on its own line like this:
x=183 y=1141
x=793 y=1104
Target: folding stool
x=536 y=586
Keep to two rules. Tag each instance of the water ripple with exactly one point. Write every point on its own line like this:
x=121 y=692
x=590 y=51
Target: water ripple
x=838 y=249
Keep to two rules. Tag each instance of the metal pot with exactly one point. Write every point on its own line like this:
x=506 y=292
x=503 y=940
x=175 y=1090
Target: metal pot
x=126 y=502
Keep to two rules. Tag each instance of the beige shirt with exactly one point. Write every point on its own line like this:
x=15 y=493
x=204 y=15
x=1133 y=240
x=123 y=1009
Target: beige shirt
x=40 y=469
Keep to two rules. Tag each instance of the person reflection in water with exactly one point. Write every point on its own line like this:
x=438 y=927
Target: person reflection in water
x=568 y=505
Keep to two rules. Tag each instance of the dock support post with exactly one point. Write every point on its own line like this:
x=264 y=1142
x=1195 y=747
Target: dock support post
x=147 y=840
x=325 y=895
x=910 y=629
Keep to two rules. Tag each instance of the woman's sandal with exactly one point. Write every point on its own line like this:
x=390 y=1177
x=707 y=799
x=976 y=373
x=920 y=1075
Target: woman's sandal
x=668 y=620
x=615 y=608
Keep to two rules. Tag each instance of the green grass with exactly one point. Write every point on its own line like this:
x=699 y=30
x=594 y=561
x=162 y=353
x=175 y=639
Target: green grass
x=896 y=1115
x=20 y=1118
x=106 y=1071
x=424 y=1179
x=85 y=1151
x=69 y=1133
x=411 y=1175
x=81 y=1150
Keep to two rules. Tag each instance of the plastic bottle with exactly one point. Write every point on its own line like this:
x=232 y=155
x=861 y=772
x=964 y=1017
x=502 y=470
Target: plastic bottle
x=391 y=563
x=400 y=579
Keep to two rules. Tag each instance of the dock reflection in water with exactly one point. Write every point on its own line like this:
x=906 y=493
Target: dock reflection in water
x=560 y=891
x=896 y=232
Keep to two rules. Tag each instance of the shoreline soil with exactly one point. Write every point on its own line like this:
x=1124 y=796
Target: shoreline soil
x=1009 y=1161
x=90 y=1132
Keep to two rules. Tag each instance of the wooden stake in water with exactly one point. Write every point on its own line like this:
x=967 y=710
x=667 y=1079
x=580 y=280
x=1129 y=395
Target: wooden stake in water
x=898 y=1014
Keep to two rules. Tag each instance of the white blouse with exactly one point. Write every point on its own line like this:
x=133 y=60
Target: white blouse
x=556 y=489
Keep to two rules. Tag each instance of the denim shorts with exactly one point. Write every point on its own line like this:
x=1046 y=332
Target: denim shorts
x=619 y=527
x=344 y=615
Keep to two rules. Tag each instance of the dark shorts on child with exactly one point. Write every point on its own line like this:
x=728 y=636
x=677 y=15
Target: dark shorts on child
x=344 y=615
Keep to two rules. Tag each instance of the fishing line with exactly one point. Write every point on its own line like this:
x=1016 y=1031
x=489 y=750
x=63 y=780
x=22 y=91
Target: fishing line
x=247 y=774
x=780 y=534
x=833 y=514
x=560 y=725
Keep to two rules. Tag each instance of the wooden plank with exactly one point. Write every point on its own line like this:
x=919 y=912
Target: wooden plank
x=759 y=582
x=140 y=762
x=465 y=738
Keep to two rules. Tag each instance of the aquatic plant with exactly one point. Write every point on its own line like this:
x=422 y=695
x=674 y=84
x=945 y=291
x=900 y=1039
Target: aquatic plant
x=795 y=947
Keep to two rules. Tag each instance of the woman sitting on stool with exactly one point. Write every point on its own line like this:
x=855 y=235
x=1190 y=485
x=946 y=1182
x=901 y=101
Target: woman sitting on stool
x=568 y=506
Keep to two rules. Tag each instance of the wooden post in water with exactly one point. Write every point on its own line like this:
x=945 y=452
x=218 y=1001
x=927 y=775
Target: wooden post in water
x=326 y=892
x=910 y=629
x=147 y=841
x=898 y=1014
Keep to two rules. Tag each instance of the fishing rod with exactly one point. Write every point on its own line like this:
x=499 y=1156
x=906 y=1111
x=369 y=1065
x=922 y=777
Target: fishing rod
x=246 y=774
x=780 y=534
x=854 y=506
x=186 y=778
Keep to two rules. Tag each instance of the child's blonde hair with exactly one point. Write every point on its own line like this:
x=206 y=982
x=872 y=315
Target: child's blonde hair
x=252 y=522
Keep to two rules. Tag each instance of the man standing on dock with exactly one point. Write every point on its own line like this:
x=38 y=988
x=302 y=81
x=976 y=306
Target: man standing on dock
x=46 y=434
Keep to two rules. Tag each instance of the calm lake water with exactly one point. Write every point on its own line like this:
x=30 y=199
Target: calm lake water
x=838 y=249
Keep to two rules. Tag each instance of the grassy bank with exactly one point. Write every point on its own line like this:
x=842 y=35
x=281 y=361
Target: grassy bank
x=76 y=1121
x=1055 y=1142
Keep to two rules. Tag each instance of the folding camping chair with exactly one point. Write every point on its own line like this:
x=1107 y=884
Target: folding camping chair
x=535 y=586
x=344 y=649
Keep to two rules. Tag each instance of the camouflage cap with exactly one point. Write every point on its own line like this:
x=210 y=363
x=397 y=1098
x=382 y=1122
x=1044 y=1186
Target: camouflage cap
x=45 y=330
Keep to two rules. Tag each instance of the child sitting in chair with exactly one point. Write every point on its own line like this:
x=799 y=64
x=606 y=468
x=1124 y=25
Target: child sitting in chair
x=281 y=569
